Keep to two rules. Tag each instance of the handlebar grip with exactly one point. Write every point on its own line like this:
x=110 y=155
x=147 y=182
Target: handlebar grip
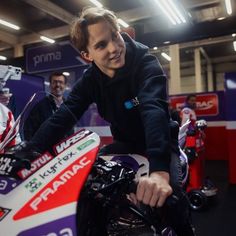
x=170 y=201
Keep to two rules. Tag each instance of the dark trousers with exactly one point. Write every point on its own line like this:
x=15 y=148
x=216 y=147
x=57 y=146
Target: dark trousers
x=178 y=214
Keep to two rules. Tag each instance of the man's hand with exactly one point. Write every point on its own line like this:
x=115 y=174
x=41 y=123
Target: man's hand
x=153 y=190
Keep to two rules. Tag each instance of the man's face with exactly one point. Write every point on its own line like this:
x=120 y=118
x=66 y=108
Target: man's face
x=106 y=48
x=192 y=102
x=58 y=85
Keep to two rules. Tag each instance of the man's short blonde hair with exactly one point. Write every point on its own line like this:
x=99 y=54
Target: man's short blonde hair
x=89 y=16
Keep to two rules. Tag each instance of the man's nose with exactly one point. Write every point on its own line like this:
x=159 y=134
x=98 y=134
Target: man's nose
x=112 y=47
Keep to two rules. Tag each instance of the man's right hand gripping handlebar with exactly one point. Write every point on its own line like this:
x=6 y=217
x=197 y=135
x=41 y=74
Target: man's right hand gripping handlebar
x=153 y=190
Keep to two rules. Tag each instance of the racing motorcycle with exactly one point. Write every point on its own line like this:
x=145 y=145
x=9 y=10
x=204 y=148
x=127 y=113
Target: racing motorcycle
x=77 y=192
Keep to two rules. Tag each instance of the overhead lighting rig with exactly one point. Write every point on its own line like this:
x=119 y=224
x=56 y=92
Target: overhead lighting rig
x=171 y=9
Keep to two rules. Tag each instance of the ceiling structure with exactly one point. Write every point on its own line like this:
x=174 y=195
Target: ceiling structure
x=52 y=18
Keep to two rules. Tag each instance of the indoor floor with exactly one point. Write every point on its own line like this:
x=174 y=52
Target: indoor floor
x=219 y=218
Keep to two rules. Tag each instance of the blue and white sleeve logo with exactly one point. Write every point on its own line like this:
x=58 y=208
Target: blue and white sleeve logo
x=131 y=103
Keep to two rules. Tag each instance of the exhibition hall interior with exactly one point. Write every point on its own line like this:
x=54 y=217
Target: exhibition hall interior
x=194 y=42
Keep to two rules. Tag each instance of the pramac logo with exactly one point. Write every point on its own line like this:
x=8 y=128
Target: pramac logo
x=207 y=104
x=61 y=190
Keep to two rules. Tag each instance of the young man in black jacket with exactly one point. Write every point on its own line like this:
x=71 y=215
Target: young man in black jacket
x=129 y=88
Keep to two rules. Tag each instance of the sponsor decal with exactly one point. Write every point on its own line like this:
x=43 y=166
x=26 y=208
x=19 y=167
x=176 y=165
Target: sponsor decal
x=62 y=227
x=55 y=185
x=61 y=190
x=86 y=144
x=7 y=184
x=72 y=140
x=3 y=212
x=6 y=165
x=33 y=185
x=134 y=102
x=54 y=168
x=35 y=165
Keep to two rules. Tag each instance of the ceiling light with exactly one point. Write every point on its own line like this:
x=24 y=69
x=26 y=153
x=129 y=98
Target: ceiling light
x=66 y=73
x=176 y=11
x=234 y=43
x=123 y=23
x=171 y=10
x=234 y=35
x=3 y=58
x=221 y=18
x=167 y=57
x=47 y=39
x=228 y=6
x=166 y=42
x=8 y=24
x=96 y=3
x=155 y=48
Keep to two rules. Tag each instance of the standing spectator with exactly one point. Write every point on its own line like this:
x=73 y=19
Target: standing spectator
x=47 y=106
x=6 y=123
x=8 y=100
x=188 y=111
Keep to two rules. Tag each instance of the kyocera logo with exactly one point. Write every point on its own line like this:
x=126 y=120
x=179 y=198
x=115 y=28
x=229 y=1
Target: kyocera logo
x=205 y=105
x=62 y=180
x=67 y=143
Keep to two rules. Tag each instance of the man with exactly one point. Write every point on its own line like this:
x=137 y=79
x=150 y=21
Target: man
x=129 y=88
x=47 y=106
x=6 y=123
x=188 y=111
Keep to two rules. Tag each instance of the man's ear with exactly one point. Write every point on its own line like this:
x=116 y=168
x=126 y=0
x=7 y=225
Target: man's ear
x=85 y=55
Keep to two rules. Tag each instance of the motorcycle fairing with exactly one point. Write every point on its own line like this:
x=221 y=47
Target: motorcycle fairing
x=51 y=193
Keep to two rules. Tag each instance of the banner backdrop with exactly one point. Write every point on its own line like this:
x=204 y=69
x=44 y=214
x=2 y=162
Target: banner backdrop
x=210 y=106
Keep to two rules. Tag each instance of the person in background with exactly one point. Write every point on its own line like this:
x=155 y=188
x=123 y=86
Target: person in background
x=6 y=123
x=47 y=106
x=8 y=99
x=188 y=111
x=130 y=89
x=5 y=96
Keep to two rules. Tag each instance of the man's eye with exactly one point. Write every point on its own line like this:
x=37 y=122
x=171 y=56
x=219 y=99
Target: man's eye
x=101 y=45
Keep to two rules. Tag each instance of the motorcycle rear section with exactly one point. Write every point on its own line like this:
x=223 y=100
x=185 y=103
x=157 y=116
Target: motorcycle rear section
x=75 y=193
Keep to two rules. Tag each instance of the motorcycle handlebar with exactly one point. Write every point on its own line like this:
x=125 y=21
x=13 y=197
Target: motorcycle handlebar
x=170 y=201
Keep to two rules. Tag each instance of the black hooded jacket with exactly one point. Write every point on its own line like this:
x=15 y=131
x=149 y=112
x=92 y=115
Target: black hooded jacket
x=134 y=102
